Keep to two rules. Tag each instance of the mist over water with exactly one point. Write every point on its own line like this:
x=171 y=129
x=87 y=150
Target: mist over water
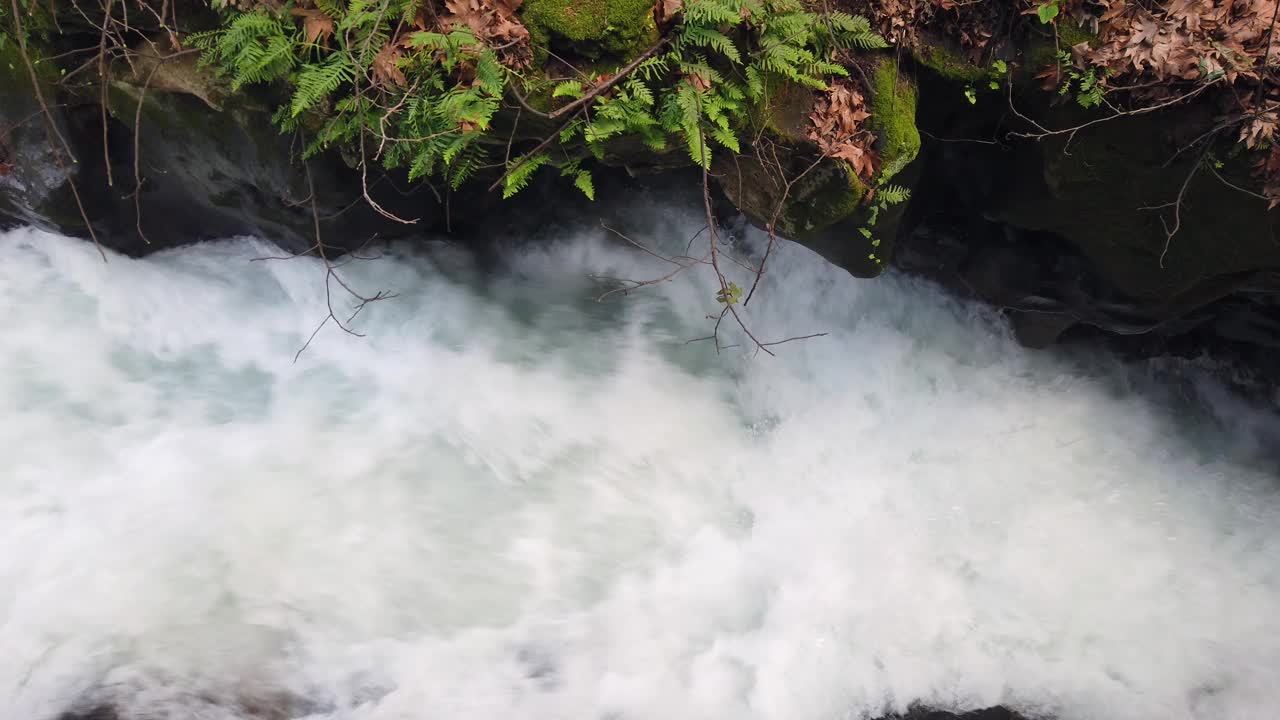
x=509 y=500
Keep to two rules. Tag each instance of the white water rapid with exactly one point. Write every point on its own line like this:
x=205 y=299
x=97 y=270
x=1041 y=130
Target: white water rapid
x=509 y=501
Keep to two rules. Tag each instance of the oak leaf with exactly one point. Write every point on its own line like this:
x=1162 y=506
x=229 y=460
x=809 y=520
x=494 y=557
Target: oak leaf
x=385 y=69
x=669 y=9
x=316 y=26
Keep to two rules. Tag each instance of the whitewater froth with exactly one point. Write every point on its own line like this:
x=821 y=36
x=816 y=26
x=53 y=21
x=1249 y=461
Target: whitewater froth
x=509 y=500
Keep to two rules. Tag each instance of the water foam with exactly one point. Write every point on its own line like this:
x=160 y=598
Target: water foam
x=508 y=500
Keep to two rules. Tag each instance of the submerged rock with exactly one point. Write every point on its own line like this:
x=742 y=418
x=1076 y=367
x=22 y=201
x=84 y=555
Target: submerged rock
x=999 y=712
x=107 y=712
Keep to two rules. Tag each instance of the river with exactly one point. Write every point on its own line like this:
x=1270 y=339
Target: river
x=510 y=500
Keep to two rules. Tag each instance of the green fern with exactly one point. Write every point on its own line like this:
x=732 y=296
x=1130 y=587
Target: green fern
x=696 y=36
x=893 y=194
x=318 y=81
x=568 y=88
x=582 y=181
x=520 y=172
x=683 y=114
x=722 y=58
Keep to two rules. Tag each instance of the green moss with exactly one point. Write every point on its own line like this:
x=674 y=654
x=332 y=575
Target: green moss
x=590 y=28
x=13 y=71
x=949 y=64
x=1071 y=34
x=1043 y=50
x=893 y=117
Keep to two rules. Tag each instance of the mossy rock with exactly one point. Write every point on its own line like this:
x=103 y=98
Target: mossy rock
x=590 y=29
x=948 y=63
x=178 y=74
x=1042 y=50
x=893 y=117
x=784 y=111
x=827 y=194
x=826 y=209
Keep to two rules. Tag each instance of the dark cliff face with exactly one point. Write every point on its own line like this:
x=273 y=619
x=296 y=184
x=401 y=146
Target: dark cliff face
x=208 y=167
x=1079 y=230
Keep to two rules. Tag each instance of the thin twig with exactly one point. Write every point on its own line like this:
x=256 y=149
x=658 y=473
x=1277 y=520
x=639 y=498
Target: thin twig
x=102 y=84
x=1169 y=232
x=604 y=86
x=137 y=135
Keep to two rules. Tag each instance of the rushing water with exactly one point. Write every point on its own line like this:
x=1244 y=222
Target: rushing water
x=509 y=500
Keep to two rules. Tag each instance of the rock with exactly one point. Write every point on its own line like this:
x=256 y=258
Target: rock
x=1064 y=236
x=212 y=165
x=893 y=116
x=33 y=189
x=97 y=712
x=998 y=712
x=106 y=712
x=826 y=207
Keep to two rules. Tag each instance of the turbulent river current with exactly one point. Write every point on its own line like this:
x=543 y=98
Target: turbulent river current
x=509 y=500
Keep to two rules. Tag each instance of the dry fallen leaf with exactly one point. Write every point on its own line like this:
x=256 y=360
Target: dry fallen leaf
x=496 y=23
x=669 y=9
x=837 y=119
x=699 y=82
x=384 y=66
x=316 y=26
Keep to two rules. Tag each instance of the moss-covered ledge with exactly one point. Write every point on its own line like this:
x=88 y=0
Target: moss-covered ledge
x=591 y=29
x=893 y=117
x=827 y=208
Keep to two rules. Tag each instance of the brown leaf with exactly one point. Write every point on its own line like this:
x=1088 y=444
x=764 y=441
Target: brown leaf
x=1261 y=128
x=669 y=9
x=496 y=23
x=1146 y=29
x=384 y=66
x=316 y=26
x=837 y=128
x=1080 y=53
x=1268 y=168
x=1116 y=10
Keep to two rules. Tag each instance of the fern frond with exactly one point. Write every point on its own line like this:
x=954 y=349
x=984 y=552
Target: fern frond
x=712 y=12
x=489 y=74
x=520 y=172
x=568 y=88
x=582 y=180
x=708 y=37
x=316 y=82
x=893 y=194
